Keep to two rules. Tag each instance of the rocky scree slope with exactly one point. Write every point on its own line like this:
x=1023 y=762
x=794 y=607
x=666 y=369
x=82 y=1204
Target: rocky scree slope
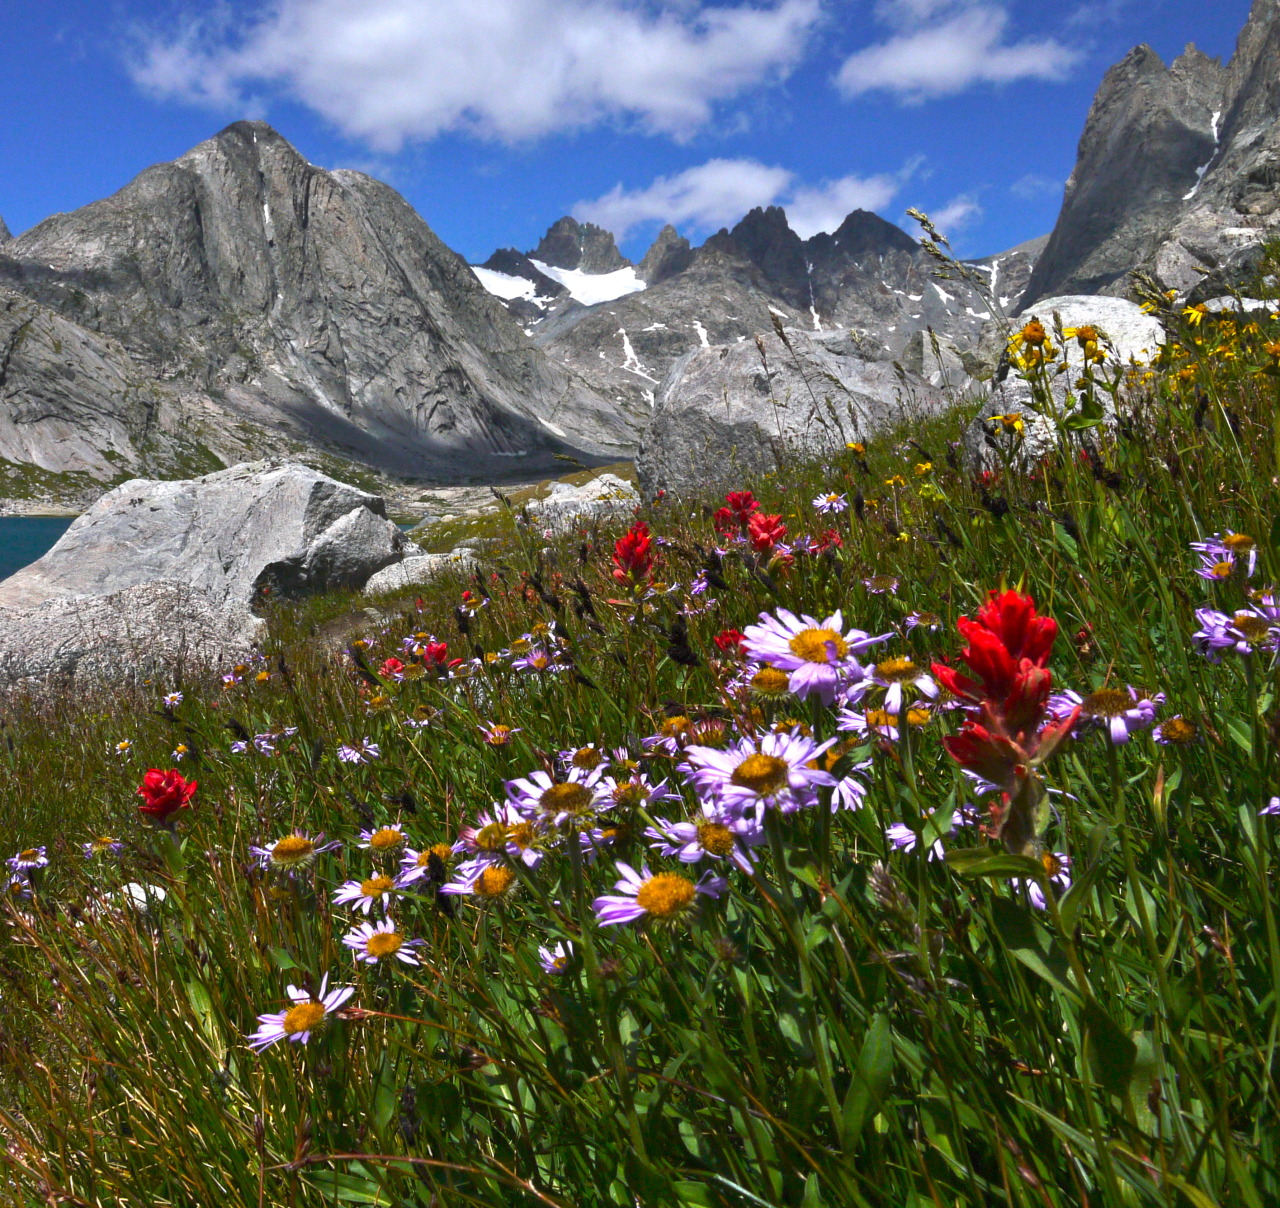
x=244 y=298
x=1178 y=172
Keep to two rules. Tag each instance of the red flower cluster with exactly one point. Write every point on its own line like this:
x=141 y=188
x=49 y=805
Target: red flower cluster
x=393 y=668
x=730 y=641
x=164 y=794
x=633 y=555
x=1006 y=734
x=764 y=532
x=735 y=517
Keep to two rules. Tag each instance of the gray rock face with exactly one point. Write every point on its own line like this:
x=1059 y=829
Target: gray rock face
x=230 y=535
x=415 y=571
x=568 y=506
x=1126 y=334
x=4 y=230
x=581 y=245
x=1178 y=170
x=299 y=305
x=162 y=628
x=731 y=413
x=668 y=255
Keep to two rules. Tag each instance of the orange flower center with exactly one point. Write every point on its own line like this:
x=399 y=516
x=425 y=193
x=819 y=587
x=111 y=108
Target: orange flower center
x=769 y=681
x=587 y=758
x=1254 y=629
x=898 y=671
x=375 y=887
x=493 y=882
x=1107 y=702
x=818 y=645
x=386 y=838
x=293 y=849
x=665 y=895
x=492 y=837
x=384 y=943
x=566 y=798
x=302 y=1018
x=762 y=774
x=716 y=838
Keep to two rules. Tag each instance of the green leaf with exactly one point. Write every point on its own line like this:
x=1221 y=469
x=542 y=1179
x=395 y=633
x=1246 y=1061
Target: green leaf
x=991 y=862
x=1028 y=945
x=1073 y=901
x=1112 y=1052
x=870 y=1081
x=282 y=960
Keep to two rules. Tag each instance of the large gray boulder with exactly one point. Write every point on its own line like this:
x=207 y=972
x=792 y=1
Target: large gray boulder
x=730 y=414
x=413 y=572
x=568 y=506
x=162 y=628
x=232 y=535
x=1127 y=336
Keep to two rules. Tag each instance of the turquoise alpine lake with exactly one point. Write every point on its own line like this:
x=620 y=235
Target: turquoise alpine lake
x=23 y=539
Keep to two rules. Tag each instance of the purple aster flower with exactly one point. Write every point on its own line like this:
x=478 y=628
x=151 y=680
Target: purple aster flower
x=1058 y=867
x=360 y=752
x=818 y=658
x=555 y=960
x=293 y=853
x=376 y=942
x=903 y=680
x=307 y=1014
x=1244 y=632
x=501 y=832
x=1121 y=713
x=922 y=620
x=879 y=585
x=664 y=896
x=415 y=865
x=902 y=838
x=239 y=747
x=536 y=659
x=831 y=504
x=102 y=845
x=28 y=860
x=379 y=889
x=1178 y=731
x=714 y=835
x=754 y=775
x=574 y=800
x=1224 y=553
x=1272 y=808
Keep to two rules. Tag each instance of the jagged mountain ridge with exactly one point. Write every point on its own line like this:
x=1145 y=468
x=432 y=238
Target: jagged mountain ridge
x=868 y=285
x=1178 y=170
x=253 y=299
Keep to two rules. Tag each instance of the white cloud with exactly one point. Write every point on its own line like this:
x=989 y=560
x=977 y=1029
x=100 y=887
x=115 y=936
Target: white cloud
x=1034 y=185
x=957 y=214
x=386 y=71
x=713 y=194
x=719 y=192
x=947 y=46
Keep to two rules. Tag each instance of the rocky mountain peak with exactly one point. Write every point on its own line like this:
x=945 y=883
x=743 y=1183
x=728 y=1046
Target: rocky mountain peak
x=1149 y=135
x=862 y=234
x=4 y=230
x=571 y=244
x=765 y=239
x=668 y=255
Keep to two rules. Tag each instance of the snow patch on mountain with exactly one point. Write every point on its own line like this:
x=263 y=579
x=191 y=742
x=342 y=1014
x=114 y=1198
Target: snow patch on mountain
x=593 y=288
x=503 y=286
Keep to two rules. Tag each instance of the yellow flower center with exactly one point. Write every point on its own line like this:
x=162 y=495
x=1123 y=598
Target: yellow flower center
x=665 y=895
x=383 y=943
x=413 y=671
x=1238 y=543
x=442 y=852
x=292 y=849
x=521 y=835
x=520 y=645
x=882 y=583
x=493 y=882
x=1033 y=333
x=628 y=793
x=1254 y=629
x=102 y=842
x=1107 y=702
x=1179 y=731
x=375 y=887
x=917 y=717
x=567 y=798
x=769 y=681
x=499 y=735
x=818 y=645
x=386 y=838
x=29 y=854
x=716 y=838
x=587 y=758
x=710 y=734
x=302 y=1018
x=676 y=727
x=492 y=837
x=1052 y=865
x=1222 y=570
x=762 y=774
x=539 y=662
x=879 y=719
x=898 y=671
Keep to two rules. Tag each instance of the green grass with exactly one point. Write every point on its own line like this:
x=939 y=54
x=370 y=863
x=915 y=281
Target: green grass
x=848 y=1025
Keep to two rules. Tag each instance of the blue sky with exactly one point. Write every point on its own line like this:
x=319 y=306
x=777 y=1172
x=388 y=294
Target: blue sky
x=494 y=117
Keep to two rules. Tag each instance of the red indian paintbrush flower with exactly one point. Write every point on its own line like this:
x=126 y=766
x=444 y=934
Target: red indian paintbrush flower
x=164 y=794
x=765 y=531
x=633 y=554
x=1006 y=734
